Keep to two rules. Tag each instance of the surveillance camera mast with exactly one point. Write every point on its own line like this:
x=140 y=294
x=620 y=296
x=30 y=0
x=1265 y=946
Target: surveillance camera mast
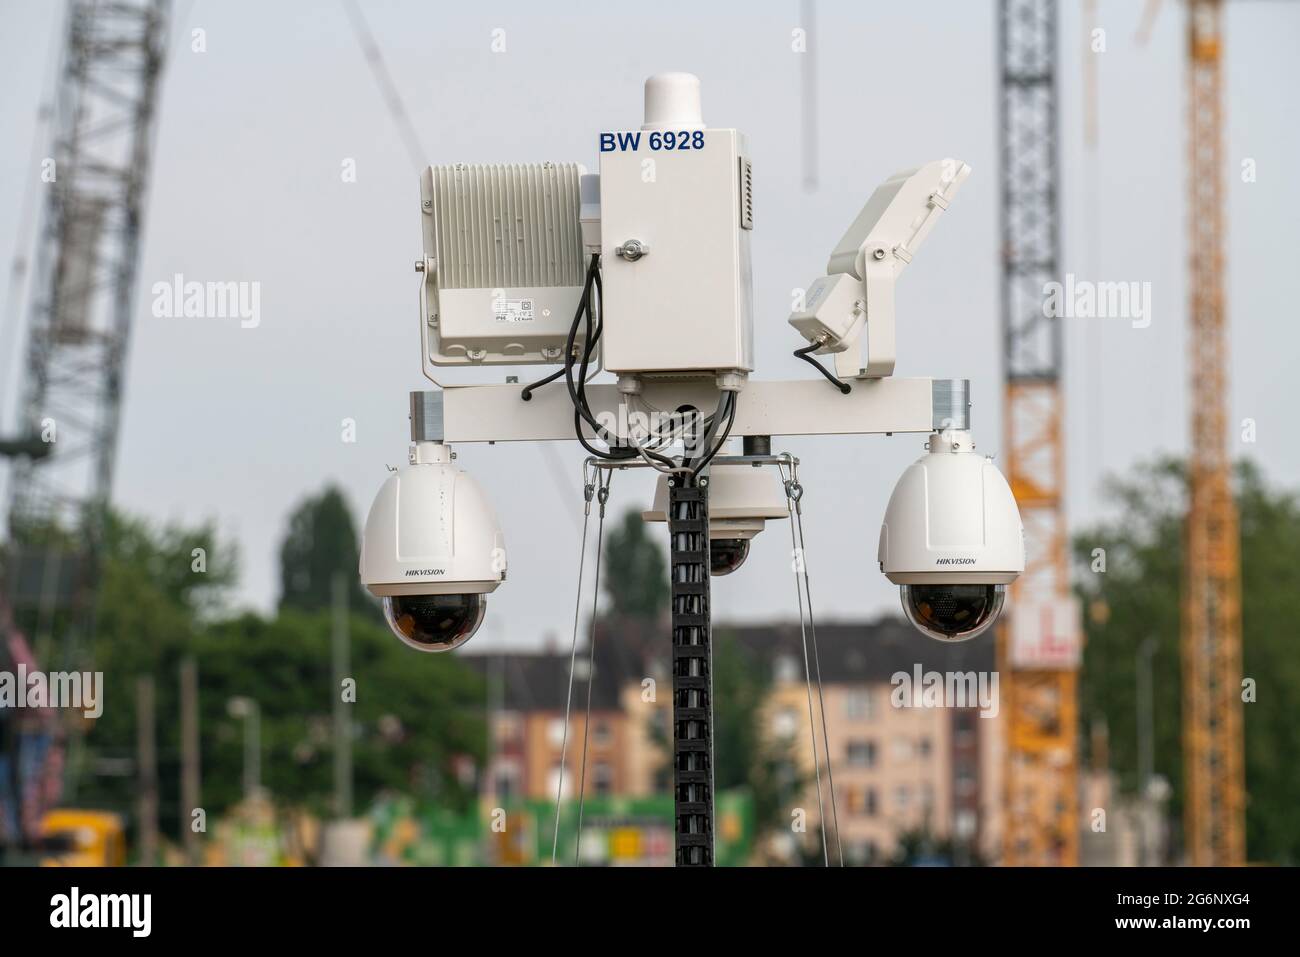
x=643 y=271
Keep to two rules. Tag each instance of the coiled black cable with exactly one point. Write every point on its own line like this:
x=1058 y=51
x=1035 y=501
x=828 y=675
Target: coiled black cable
x=583 y=303
x=806 y=355
x=729 y=409
x=590 y=308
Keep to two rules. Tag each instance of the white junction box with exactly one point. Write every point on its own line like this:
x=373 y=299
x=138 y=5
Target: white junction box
x=504 y=262
x=676 y=210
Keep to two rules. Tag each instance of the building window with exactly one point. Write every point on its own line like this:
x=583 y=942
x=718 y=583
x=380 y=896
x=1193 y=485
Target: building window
x=601 y=734
x=923 y=747
x=861 y=754
x=862 y=802
x=785 y=723
x=786 y=669
x=509 y=728
x=555 y=732
x=553 y=782
x=785 y=776
x=505 y=786
x=857 y=704
x=662 y=722
x=602 y=779
x=964 y=728
x=902 y=797
x=965 y=782
x=965 y=824
x=861 y=853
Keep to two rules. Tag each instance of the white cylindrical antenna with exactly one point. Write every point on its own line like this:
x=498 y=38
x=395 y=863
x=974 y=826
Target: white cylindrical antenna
x=672 y=101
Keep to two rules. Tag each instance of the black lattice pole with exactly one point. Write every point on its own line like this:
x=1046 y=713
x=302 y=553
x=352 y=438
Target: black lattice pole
x=688 y=532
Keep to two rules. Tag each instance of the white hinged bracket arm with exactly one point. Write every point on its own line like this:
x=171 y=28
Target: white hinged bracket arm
x=857 y=293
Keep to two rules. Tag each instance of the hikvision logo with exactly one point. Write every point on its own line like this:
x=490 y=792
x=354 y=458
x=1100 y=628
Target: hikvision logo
x=954 y=561
x=425 y=572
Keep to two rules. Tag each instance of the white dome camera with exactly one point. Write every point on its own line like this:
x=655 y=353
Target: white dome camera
x=952 y=539
x=432 y=550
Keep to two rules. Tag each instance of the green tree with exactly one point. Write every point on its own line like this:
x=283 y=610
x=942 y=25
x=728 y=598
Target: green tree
x=160 y=586
x=417 y=719
x=414 y=716
x=745 y=755
x=321 y=541
x=635 y=574
x=1137 y=598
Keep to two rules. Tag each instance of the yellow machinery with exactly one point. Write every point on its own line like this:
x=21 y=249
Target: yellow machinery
x=87 y=839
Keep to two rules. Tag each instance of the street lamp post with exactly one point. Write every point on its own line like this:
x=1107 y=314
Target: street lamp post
x=1146 y=751
x=247 y=709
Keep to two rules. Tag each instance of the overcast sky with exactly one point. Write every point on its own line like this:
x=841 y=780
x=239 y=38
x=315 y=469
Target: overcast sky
x=238 y=424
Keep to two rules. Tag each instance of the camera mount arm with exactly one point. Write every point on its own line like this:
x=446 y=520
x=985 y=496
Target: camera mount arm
x=493 y=413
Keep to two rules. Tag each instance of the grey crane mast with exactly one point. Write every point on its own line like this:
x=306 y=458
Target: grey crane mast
x=79 y=317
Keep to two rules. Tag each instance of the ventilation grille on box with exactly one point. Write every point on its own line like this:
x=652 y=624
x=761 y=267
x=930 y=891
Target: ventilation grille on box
x=746 y=194
x=507 y=226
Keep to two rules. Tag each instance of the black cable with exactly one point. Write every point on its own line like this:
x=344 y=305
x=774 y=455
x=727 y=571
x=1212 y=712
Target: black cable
x=726 y=433
x=705 y=440
x=584 y=304
x=584 y=307
x=581 y=405
x=576 y=392
x=587 y=309
x=805 y=355
x=527 y=393
x=593 y=336
x=578 y=388
x=595 y=310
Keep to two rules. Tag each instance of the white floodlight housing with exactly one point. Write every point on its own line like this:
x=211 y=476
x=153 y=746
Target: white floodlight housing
x=741 y=500
x=432 y=550
x=857 y=292
x=952 y=539
x=504 y=262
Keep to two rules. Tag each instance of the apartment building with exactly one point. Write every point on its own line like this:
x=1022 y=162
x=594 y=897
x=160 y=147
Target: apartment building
x=910 y=750
x=903 y=761
x=526 y=698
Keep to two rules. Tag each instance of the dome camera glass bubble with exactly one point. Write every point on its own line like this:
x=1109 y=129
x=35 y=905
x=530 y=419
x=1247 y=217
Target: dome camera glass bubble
x=434 y=622
x=953 y=612
x=727 y=554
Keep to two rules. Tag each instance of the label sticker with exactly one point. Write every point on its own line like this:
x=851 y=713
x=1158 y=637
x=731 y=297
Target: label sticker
x=513 y=310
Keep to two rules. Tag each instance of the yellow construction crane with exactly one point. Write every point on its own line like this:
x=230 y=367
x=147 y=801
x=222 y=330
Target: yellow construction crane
x=1211 y=614
x=1039 y=646
x=1214 y=809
